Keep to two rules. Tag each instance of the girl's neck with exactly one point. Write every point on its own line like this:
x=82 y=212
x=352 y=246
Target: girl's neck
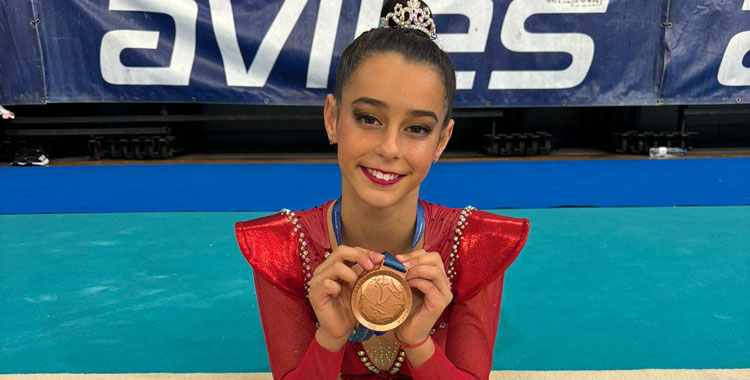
x=379 y=229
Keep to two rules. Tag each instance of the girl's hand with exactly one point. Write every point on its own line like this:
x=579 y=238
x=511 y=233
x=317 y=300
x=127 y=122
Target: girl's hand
x=331 y=289
x=426 y=274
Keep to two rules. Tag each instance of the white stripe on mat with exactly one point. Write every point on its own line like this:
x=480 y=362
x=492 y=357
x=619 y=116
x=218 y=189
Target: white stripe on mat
x=641 y=374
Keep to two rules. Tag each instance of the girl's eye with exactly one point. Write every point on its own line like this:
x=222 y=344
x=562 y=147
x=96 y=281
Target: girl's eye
x=419 y=129
x=367 y=119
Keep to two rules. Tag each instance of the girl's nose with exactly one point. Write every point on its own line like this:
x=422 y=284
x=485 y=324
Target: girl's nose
x=388 y=146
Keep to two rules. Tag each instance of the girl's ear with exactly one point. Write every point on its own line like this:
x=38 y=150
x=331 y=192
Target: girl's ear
x=330 y=114
x=445 y=136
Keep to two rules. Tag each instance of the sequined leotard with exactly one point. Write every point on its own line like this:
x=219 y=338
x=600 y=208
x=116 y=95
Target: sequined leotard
x=477 y=247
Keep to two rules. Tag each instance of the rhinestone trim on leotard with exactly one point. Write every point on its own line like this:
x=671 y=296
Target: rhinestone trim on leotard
x=303 y=248
x=307 y=275
x=457 y=238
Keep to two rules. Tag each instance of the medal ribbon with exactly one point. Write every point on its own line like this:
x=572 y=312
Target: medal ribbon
x=336 y=221
x=362 y=333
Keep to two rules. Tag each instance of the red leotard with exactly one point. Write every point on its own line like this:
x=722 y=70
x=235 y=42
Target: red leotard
x=477 y=247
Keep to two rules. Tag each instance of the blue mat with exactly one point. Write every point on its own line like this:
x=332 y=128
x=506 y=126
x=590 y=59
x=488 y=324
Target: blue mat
x=594 y=289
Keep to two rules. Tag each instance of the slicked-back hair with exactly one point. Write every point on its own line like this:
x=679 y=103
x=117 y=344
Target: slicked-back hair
x=411 y=44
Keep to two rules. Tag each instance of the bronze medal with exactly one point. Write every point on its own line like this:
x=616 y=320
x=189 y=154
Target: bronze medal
x=381 y=299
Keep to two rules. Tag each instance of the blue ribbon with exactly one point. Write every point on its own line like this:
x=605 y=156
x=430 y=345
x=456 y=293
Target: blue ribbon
x=418 y=231
x=362 y=333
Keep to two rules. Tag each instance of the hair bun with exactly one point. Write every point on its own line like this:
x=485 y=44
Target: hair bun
x=408 y=14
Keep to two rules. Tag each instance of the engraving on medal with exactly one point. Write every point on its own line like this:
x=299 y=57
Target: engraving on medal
x=381 y=299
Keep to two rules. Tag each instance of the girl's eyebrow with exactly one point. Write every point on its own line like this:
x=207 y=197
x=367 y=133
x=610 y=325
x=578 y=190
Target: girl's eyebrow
x=418 y=113
x=381 y=104
x=371 y=101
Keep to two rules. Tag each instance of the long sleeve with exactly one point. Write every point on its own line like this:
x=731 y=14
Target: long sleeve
x=470 y=340
x=488 y=245
x=293 y=351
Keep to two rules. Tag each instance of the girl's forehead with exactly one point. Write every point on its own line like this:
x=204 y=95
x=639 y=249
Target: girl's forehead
x=390 y=78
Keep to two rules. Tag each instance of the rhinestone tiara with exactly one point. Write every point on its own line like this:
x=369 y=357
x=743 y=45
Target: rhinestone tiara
x=413 y=16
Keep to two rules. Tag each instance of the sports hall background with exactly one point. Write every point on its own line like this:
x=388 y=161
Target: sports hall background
x=118 y=259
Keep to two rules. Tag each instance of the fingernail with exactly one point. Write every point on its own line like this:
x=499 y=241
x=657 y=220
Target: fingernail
x=407 y=264
x=400 y=257
x=369 y=264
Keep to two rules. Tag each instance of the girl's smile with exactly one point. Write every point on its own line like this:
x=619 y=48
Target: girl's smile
x=381 y=177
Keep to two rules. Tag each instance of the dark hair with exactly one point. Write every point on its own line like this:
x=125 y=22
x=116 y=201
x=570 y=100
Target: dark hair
x=412 y=44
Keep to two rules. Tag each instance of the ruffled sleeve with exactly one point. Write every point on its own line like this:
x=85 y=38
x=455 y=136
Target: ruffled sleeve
x=490 y=244
x=269 y=247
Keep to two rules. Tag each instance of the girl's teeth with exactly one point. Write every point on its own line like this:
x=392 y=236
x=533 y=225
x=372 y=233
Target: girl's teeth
x=382 y=176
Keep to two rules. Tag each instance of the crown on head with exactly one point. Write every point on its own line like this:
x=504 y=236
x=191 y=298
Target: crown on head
x=413 y=16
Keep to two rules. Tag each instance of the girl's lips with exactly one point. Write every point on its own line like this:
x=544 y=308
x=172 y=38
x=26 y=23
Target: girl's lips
x=382 y=171
x=379 y=181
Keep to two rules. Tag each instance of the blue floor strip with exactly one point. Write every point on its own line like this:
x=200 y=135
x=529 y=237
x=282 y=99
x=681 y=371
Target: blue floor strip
x=257 y=187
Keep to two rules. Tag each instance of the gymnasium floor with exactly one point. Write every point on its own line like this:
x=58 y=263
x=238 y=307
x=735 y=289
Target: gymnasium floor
x=607 y=291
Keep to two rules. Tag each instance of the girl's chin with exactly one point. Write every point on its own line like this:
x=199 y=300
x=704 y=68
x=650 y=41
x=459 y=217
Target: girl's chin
x=380 y=200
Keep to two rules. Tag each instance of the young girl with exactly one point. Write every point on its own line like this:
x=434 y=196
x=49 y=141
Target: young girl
x=390 y=119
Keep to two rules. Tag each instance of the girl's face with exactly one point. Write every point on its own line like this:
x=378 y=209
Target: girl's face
x=388 y=126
